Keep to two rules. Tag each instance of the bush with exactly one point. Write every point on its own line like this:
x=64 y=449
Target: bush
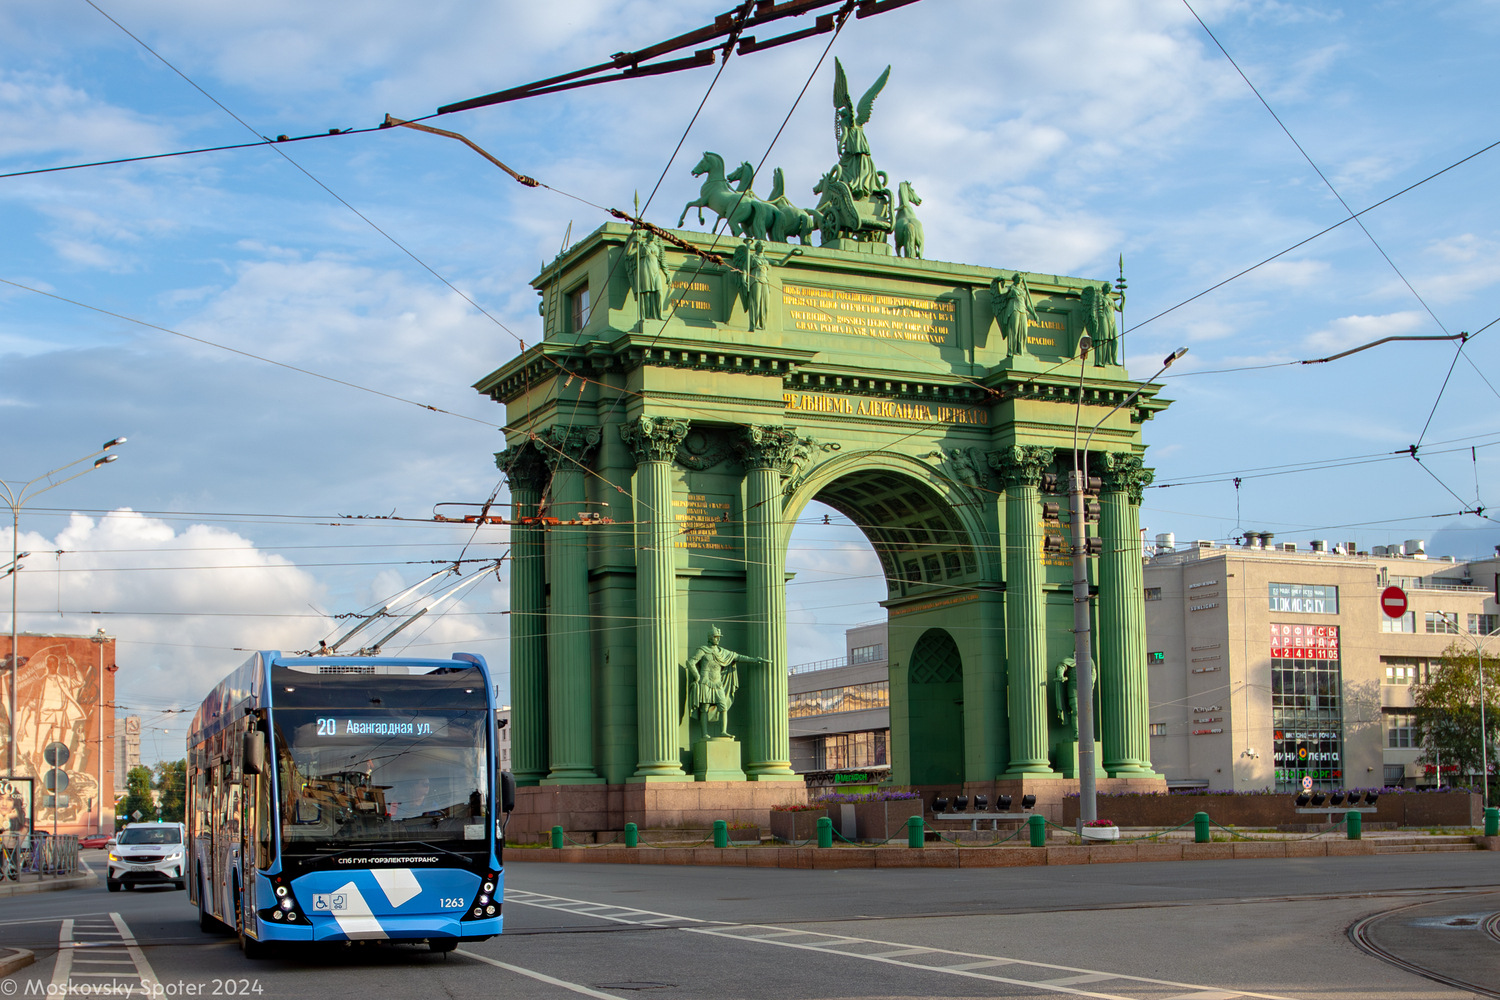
x=797 y=807
x=882 y=796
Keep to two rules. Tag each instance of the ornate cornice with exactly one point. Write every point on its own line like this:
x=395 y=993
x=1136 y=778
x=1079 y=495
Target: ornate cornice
x=1125 y=472
x=654 y=439
x=1022 y=465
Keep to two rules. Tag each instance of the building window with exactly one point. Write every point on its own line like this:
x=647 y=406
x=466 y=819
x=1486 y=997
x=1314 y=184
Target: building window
x=847 y=751
x=1304 y=599
x=1158 y=729
x=1407 y=669
x=578 y=308
x=1484 y=624
x=1406 y=623
x=1153 y=593
x=849 y=698
x=1401 y=675
x=1442 y=622
x=1395 y=774
x=867 y=654
x=1400 y=730
x=1307 y=705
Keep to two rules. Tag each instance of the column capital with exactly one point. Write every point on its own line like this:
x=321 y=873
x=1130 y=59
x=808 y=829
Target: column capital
x=523 y=466
x=1124 y=472
x=1022 y=465
x=654 y=439
x=561 y=446
x=765 y=446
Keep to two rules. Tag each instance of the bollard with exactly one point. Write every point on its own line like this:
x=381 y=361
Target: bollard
x=557 y=838
x=825 y=831
x=721 y=833
x=1492 y=822
x=632 y=835
x=915 y=833
x=1355 y=824
x=1038 y=825
x=1200 y=828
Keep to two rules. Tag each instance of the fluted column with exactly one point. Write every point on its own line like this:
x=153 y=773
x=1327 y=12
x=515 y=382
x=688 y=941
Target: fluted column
x=570 y=662
x=1123 y=694
x=1025 y=610
x=526 y=473
x=766 y=453
x=654 y=441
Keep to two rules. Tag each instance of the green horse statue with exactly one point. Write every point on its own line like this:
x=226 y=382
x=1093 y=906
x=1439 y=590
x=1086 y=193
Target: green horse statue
x=746 y=214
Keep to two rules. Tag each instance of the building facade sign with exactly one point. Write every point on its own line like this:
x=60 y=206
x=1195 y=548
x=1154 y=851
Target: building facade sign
x=870 y=314
x=1304 y=599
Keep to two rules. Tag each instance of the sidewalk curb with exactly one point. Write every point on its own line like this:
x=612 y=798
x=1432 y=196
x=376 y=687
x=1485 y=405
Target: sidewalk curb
x=48 y=885
x=14 y=962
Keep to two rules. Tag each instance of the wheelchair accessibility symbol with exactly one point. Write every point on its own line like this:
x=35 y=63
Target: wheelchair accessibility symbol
x=327 y=902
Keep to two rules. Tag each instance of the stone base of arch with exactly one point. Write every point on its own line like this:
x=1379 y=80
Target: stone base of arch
x=1050 y=792
x=586 y=811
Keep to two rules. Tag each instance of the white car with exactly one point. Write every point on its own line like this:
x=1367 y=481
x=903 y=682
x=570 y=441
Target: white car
x=145 y=853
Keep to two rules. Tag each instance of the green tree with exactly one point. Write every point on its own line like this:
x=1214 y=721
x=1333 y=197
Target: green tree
x=1448 y=712
x=171 y=782
x=137 y=795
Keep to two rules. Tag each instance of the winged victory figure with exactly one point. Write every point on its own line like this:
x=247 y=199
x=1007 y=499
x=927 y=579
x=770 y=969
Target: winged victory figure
x=856 y=168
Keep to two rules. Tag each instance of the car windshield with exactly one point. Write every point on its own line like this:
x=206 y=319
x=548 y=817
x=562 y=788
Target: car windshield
x=370 y=759
x=149 y=835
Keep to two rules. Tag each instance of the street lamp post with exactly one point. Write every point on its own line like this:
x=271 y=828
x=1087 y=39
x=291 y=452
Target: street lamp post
x=1484 y=741
x=99 y=638
x=1083 y=655
x=15 y=499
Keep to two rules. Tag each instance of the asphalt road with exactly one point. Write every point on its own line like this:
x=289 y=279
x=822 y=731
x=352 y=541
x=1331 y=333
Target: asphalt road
x=1200 y=930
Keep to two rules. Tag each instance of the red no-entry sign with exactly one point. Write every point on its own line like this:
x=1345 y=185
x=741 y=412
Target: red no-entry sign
x=1393 y=602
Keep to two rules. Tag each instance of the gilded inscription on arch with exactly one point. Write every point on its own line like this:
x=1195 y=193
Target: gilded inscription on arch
x=869 y=314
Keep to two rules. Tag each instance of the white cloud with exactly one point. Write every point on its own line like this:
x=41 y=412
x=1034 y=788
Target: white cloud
x=184 y=602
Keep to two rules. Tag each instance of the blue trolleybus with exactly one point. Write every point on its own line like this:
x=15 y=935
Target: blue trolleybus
x=338 y=798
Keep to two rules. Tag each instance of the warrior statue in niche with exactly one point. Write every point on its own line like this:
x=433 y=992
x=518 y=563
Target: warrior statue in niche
x=713 y=680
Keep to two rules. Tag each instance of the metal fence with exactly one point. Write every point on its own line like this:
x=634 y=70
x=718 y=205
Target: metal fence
x=37 y=853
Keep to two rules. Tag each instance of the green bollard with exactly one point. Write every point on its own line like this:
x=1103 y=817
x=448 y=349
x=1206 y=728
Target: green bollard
x=632 y=835
x=1492 y=822
x=1355 y=823
x=915 y=831
x=721 y=833
x=1200 y=828
x=1038 y=825
x=557 y=838
x=825 y=831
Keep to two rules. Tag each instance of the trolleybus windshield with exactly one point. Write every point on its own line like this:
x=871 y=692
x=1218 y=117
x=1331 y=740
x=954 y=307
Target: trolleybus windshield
x=372 y=758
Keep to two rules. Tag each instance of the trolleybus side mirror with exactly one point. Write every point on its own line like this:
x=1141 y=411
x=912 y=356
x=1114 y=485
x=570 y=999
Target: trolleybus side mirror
x=254 y=757
x=507 y=792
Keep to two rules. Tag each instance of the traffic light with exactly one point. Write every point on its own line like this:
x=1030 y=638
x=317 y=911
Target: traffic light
x=1091 y=512
x=1052 y=544
x=1049 y=482
x=1051 y=511
x=1094 y=546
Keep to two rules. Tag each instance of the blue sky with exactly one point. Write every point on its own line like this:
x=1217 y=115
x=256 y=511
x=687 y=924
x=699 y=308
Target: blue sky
x=1051 y=138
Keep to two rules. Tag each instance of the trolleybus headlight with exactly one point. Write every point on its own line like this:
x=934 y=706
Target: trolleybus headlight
x=291 y=916
x=277 y=914
x=286 y=904
x=483 y=898
x=281 y=891
x=478 y=912
x=489 y=887
x=490 y=909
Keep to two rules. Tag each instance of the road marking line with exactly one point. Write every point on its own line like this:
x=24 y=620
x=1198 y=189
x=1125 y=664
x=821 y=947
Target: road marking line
x=540 y=976
x=967 y=966
x=149 y=982
x=836 y=944
x=64 y=965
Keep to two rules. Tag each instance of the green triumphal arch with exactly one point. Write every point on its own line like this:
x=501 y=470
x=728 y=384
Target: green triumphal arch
x=692 y=394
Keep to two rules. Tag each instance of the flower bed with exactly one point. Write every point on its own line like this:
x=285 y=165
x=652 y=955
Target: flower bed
x=795 y=824
x=1402 y=807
